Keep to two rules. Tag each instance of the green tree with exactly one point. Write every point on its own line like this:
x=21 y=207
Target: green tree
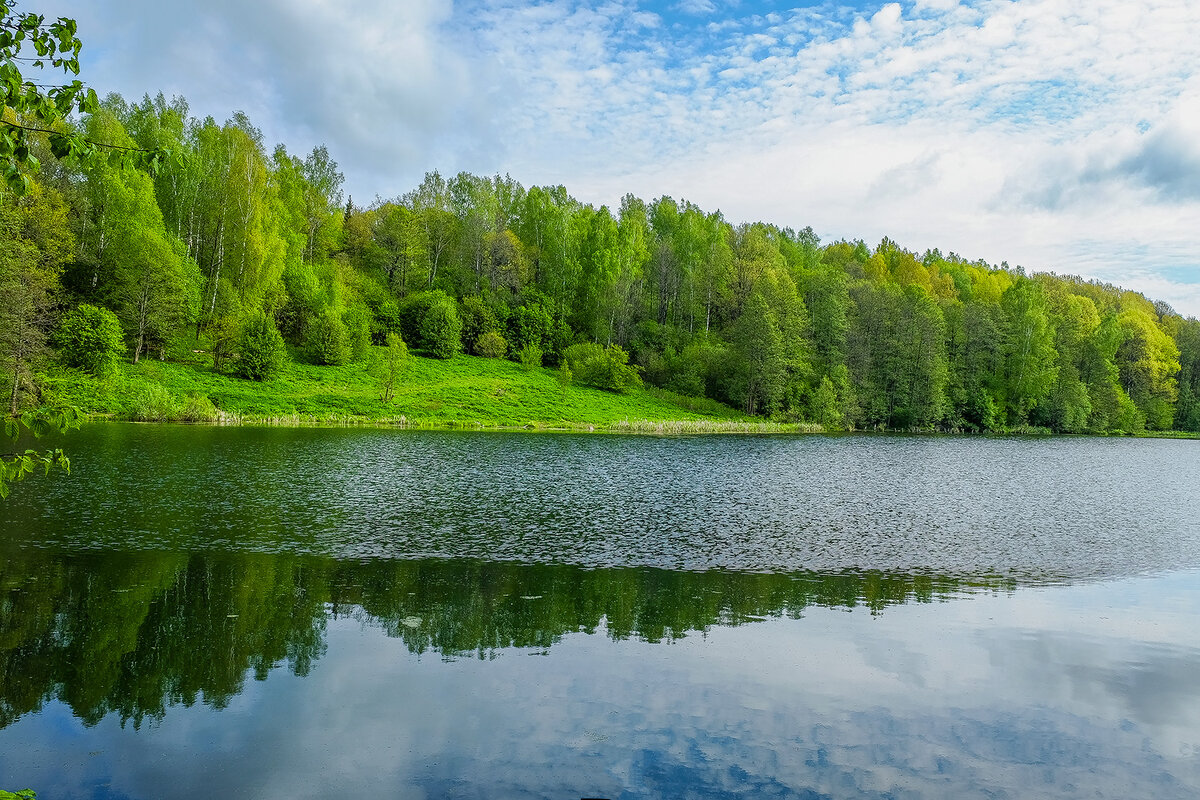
x=35 y=241
x=1068 y=406
x=1187 y=339
x=478 y=318
x=432 y=323
x=1148 y=362
x=430 y=202
x=1030 y=361
x=826 y=408
x=357 y=320
x=397 y=246
x=148 y=280
x=322 y=201
x=975 y=360
x=390 y=365
x=592 y=364
x=757 y=372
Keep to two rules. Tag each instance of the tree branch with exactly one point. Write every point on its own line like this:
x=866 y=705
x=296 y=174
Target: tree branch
x=89 y=141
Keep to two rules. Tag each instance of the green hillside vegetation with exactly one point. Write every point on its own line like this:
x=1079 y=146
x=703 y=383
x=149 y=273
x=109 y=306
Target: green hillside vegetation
x=464 y=391
x=237 y=282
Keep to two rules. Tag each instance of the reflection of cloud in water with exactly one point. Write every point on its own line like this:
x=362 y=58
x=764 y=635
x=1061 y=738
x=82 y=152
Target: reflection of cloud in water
x=926 y=700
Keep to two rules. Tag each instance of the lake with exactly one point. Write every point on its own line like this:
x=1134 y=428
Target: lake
x=279 y=613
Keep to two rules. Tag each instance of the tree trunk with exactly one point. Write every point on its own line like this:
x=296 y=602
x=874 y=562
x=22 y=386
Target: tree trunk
x=12 y=408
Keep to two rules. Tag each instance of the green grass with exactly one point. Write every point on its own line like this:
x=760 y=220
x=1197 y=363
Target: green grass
x=463 y=392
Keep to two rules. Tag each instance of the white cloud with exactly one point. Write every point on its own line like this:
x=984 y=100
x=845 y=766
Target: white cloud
x=887 y=18
x=698 y=7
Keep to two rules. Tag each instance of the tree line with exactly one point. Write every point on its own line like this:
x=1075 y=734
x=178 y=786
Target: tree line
x=256 y=256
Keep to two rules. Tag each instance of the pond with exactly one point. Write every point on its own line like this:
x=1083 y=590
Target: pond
x=246 y=612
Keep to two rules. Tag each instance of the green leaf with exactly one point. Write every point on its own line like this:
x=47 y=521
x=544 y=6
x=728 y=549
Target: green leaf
x=24 y=794
x=60 y=145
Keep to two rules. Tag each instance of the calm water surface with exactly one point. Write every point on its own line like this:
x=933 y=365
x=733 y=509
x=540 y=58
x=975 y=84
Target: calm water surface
x=202 y=612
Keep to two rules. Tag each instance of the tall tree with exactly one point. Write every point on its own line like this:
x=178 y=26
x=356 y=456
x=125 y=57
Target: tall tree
x=35 y=241
x=430 y=203
x=1148 y=362
x=1030 y=361
x=757 y=376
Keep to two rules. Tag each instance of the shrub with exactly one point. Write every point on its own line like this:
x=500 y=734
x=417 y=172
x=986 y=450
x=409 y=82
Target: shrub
x=90 y=338
x=385 y=320
x=432 y=324
x=491 y=345
x=261 y=351
x=198 y=408
x=530 y=324
x=530 y=357
x=304 y=302
x=327 y=341
x=151 y=402
x=602 y=367
x=477 y=319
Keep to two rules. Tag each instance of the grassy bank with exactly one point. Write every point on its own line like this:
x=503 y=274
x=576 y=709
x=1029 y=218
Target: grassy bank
x=462 y=392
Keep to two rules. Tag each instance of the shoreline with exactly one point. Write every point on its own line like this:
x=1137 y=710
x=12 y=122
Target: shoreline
x=629 y=427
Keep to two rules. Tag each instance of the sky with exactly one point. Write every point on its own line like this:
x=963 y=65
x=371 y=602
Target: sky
x=1053 y=134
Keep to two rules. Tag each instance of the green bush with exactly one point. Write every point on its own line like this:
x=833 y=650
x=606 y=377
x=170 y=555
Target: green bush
x=198 y=408
x=151 y=402
x=90 y=338
x=530 y=357
x=432 y=324
x=328 y=341
x=491 y=345
x=385 y=320
x=477 y=319
x=530 y=324
x=261 y=351
x=602 y=367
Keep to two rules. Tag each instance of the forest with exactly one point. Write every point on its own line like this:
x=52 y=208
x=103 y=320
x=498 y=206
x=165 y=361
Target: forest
x=253 y=256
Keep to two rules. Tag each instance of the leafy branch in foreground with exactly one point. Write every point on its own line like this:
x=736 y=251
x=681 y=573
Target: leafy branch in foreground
x=17 y=466
x=35 y=108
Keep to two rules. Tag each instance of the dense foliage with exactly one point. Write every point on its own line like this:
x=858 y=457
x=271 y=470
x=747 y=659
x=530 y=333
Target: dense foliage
x=90 y=339
x=233 y=244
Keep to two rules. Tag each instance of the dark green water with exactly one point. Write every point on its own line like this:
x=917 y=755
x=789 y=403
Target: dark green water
x=202 y=612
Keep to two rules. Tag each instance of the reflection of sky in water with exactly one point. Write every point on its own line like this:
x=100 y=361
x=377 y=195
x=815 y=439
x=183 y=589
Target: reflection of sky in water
x=1088 y=690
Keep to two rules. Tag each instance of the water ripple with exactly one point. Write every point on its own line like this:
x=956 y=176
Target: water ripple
x=1073 y=507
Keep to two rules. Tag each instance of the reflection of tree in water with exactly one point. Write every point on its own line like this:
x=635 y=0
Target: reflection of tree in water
x=135 y=633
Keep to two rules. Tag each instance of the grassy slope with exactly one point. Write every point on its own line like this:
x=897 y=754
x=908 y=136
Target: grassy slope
x=464 y=391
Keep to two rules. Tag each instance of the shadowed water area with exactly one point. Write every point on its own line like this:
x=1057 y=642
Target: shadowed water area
x=202 y=612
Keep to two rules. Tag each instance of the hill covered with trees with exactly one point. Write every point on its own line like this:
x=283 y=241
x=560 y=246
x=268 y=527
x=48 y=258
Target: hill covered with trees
x=245 y=257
